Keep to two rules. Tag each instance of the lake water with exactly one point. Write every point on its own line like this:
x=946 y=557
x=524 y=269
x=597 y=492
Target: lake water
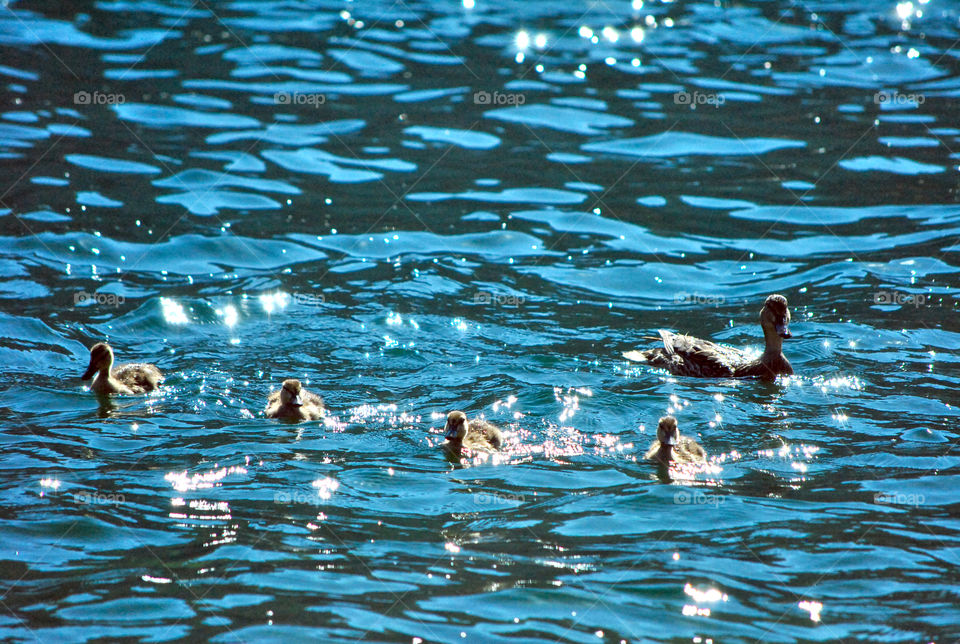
x=416 y=207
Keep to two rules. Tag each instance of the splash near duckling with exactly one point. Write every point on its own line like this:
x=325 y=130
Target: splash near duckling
x=128 y=379
x=685 y=355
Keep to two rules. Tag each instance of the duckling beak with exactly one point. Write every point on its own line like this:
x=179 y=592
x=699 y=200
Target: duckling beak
x=671 y=440
x=783 y=330
x=88 y=374
x=296 y=401
x=451 y=432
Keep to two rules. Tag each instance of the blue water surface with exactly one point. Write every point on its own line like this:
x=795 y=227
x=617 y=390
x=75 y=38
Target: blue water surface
x=424 y=206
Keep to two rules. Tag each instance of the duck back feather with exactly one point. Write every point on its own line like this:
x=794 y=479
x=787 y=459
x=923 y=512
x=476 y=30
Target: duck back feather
x=139 y=377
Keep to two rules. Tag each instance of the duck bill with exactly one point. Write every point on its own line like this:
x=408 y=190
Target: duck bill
x=671 y=440
x=450 y=433
x=784 y=331
x=296 y=401
x=88 y=374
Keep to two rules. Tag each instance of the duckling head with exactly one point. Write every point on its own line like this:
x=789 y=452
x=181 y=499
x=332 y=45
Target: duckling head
x=776 y=316
x=667 y=431
x=457 y=426
x=290 y=393
x=101 y=359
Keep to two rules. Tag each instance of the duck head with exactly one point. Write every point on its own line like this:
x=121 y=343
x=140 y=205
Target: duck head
x=775 y=316
x=667 y=431
x=457 y=426
x=101 y=359
x=290 y=393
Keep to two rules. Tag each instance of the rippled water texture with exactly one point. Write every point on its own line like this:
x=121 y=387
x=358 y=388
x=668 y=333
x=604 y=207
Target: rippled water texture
x=416 y=207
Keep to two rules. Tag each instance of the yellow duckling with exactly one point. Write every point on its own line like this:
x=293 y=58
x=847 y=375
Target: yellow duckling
x=294 y=402
x=134 y=378
x=670 y=446
x=478 y=435
x=685 y=355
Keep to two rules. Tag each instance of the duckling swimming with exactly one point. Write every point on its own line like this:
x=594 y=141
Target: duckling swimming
x=134 y=378
x=294 y=402
x=478 y=435
x=685 y=355
x=670 y=446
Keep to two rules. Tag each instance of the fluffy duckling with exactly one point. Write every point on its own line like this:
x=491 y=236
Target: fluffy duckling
x=134 y=378
x=294 y=402
x=478 y=435
x=685 y=355
x=670 y=446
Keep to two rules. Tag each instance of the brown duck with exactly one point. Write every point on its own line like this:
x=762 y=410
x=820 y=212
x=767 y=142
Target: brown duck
x=134 y=378
x=294 y=402
x=478 y=435
x=670 y=446
x=685 y=355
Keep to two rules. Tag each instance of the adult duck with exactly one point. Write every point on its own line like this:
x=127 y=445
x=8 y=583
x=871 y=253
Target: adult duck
x=294 y=402
x=685 y=355
x=671 y=447
x=133 y=378
x=478 y=435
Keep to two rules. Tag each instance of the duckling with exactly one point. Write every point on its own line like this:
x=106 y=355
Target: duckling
x=294 y=402
x=478 y=435
x=685 y=355
x=134 y=378
x=671 y=446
